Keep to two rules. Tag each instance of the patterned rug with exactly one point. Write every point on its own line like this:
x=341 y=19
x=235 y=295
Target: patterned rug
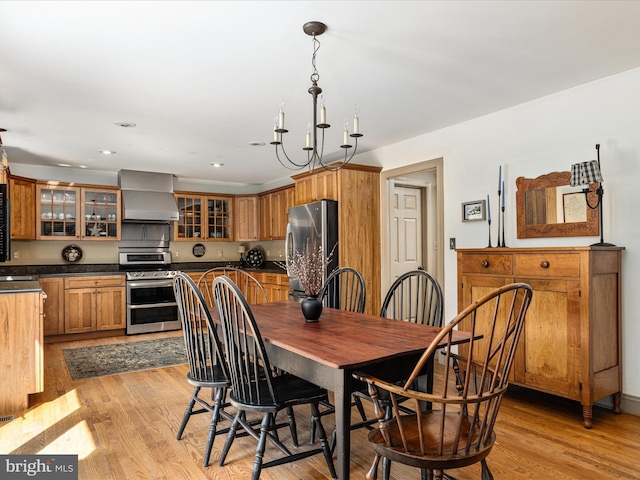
x=101 y=360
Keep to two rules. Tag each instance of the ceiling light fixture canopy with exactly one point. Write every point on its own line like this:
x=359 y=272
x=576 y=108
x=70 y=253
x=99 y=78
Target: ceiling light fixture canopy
x=314 y=151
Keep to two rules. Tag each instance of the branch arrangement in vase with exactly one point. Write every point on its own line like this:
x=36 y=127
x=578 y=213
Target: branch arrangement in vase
x=309 y=266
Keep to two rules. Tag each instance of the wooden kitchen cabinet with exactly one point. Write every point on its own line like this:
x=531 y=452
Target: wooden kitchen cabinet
x=274 y=212
x=21 y=349
x=246 y=214
x=204 y=217
x=94 y=303
x=276 y=285
x=53 y=287
x=66 y=212
x=571 y=342
x=357 y=190
x=22 y=192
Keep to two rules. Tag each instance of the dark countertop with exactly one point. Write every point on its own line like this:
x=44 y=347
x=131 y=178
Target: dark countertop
x=114 y=269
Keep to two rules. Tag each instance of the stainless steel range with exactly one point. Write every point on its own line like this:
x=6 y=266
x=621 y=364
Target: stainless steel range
x=151 y=303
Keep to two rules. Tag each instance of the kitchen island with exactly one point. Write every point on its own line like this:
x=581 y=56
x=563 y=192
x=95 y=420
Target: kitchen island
x=21 y=343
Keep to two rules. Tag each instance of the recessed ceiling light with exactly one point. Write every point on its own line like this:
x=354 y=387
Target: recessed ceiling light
x=83 y=166
x=107 y=152
x=64 y=165
x=255 y=143
x=125 y=124
x=217 y=165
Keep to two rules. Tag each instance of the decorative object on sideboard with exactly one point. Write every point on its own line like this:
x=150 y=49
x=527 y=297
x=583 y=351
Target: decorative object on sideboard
x=586 y=173
x=5 y=160
x=71 y=253
x=255 y=258
x=315 y=151
x=242 y=250
x=502 y=194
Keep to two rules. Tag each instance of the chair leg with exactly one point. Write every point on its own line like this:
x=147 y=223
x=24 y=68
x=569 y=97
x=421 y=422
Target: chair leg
x=358 y=403
x=292 y=426
x=230 y=438
x=188 y=412
x=486 y=473
x=217 y=404
x=262 y=444
x=372 y=474
x=386 y=468
x=328 y=453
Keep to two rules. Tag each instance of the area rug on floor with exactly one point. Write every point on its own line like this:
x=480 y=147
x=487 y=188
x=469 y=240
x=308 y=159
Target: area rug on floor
x=101 y=360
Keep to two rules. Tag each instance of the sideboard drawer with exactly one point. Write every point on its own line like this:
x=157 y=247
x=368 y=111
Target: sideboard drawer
x=547 y=265
x=489 y=263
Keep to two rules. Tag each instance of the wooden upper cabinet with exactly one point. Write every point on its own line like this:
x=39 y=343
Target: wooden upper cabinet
x=274 y=212
x=246 y=214
x=204 y=217
x=22 y=192
x=100 y=213
x=66 y=212
x=316 y=186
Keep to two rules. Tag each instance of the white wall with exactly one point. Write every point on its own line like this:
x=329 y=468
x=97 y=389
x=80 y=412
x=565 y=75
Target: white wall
x=542 y=136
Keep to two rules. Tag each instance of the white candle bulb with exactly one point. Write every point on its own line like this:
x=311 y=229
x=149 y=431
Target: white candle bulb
x=356 y=121
x=281 y=116
x=323 y=111
x=308 y=134
x=346 y=133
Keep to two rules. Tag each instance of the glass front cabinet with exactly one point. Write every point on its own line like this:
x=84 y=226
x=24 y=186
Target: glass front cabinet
x=73 y=213
x=203 y=217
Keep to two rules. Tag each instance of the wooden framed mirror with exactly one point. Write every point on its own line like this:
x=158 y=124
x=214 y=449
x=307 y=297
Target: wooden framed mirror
x=548 y=206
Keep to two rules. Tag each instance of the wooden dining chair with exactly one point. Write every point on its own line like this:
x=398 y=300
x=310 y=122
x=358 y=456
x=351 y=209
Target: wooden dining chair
x=415 y=296
x=255 y=388
x=249 y=285
x=344 y=289
x=207 y=369
x=459 y=428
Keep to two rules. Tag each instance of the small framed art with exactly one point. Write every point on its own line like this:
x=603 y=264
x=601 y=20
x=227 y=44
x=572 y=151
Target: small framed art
x=473 y=211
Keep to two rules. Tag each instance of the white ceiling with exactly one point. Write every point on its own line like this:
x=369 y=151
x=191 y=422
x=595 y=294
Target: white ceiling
x=203 y=79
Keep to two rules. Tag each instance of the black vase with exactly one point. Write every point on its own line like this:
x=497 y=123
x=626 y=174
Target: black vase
x=311 y=308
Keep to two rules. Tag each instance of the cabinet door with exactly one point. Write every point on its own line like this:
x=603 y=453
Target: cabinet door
x=100 y=214
x=80 y=310
x=219 y=218
x=326 y=186
x=305 y=190
x=265 y=217
x=53 y=305
x=279 y=214
x=23 y=208
x=190 y=224
x=551 y=358
x=58 y=212
x=246 y=213
x=110 y=308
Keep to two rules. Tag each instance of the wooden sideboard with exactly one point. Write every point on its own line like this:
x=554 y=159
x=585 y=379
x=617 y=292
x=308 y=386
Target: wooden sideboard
x=571 y=343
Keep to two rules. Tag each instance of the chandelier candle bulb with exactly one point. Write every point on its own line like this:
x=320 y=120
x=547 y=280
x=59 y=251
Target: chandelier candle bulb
x=308 y=135
x=323 y=111
x=346 y=136
x=281 y=116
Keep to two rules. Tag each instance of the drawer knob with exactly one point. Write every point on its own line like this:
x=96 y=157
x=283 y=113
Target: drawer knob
x=544 y=264
x=485 y=263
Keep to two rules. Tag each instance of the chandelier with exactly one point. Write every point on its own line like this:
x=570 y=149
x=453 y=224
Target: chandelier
x=315 y=145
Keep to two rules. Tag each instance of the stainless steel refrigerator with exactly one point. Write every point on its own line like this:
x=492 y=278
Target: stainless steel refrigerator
x=315 y=224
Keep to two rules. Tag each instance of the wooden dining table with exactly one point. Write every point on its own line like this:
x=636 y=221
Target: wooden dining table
x=327 y=353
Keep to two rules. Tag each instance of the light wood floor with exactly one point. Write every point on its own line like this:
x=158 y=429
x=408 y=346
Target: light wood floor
x=124 y=426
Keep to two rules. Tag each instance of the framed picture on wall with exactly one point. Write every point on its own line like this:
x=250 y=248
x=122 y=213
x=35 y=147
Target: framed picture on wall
x=473 y=211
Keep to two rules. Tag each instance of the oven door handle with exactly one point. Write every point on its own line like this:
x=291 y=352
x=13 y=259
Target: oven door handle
x=149 y=283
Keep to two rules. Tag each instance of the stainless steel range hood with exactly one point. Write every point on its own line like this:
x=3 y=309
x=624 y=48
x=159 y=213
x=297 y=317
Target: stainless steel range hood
x=147 y=196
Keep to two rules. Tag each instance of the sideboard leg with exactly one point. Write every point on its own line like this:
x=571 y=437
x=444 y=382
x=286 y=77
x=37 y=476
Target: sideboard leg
x=617 y=401
x=587 y=414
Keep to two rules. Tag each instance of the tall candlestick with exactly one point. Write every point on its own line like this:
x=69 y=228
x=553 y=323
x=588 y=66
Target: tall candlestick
x=504 y=194
x=488 y=209
x=499 y=178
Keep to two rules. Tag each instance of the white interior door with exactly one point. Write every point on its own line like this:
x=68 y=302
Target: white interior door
x=406 y=235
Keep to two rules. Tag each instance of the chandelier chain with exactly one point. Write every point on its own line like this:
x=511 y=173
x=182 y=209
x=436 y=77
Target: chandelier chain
x=315 y=76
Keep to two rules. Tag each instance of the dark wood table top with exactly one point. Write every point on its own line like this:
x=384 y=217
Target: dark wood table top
x=342 y=340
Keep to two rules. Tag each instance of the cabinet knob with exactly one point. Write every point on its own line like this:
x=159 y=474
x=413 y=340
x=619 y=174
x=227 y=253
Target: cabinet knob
x=485 y=263
x=544 y=264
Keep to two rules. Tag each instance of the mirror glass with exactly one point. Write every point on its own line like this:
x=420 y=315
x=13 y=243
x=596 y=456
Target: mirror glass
x=548 y=206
